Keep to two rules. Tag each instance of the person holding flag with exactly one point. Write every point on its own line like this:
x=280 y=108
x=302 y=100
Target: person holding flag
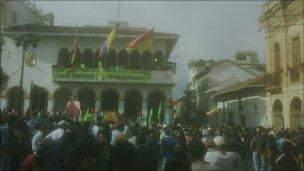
x=104 y=49
x=73 y=108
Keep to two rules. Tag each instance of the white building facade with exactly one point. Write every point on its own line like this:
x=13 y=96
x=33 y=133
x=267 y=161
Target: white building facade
x=283 y=21
x=129 y=78
x=235 y=109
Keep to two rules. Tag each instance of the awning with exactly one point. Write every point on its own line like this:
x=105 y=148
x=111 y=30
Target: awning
x=212 y=112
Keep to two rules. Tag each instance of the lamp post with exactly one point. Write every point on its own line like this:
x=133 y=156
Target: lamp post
x=26 y=41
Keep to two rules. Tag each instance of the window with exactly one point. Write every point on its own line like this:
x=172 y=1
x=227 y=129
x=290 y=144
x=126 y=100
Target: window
x=255 y=106
x=243 y=120
x=14 y=19
x=295 y=52
x=277 y=58
x=295 y=59
x=240 y=57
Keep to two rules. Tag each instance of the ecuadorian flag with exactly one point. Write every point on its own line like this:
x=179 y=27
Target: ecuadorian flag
x=142 y=42
x=106 y=46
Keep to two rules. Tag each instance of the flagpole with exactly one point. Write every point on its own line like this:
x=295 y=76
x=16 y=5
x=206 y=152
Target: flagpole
x=118 y=16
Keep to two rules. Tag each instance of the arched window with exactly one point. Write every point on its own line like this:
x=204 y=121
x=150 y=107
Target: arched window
x=77 y=58
x=86 y=98
x=123 y=59
x=38 y=99
x=13 y=98
x=109 y=100
x=99 y=59
x=276 y=57
x=277 y=115
x=296 y=116
x=133 y=103
x=146 y=60
x=111 y=59
x=61 y=98
x=134 y=60
x=158 y=60
x=63 y=58
x=87 y=58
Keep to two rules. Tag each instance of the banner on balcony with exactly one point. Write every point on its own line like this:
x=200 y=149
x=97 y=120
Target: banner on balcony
x=94 y=75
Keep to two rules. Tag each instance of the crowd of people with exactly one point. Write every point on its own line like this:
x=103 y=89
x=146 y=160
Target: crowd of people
x=54 y=141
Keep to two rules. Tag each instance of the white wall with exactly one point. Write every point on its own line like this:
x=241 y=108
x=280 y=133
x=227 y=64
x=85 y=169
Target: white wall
x=47 y=51
x=254 y=116
x=227 y=70
x=24 y=15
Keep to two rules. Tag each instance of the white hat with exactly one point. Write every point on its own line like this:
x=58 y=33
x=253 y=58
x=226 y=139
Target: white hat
x=219 y=140
x=63 y=123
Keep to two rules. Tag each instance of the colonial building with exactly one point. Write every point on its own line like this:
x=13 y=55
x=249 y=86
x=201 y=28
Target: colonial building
x=22 y=12
x=229 y=79
x=195 y=103
x=129 y=81
x=284 y=25
x=243 y=104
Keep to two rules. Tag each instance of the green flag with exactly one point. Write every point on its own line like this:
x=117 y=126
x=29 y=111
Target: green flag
x=159 y=112
x=100 y=68
x=150 y=116
x=88 y=117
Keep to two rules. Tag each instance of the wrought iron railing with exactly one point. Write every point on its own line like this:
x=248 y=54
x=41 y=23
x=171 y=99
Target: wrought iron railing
x=97 y=75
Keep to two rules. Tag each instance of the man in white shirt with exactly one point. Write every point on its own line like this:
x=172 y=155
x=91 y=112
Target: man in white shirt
x=115 y=133
x=56 y=135
x=221 y=158
x=38 y=139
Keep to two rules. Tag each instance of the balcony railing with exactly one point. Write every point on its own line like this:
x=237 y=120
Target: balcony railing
x=273 y=83
x=96 y=75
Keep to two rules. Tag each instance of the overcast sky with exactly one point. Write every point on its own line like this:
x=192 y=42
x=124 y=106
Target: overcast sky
x=207 y=29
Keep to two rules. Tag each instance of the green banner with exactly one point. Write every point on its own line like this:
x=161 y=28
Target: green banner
x=94 y=75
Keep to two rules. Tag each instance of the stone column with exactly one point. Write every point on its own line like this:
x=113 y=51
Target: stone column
x=3 y=103
x=121 y=106
x=26 y=104
x=144 y=108
x=97 y=104
x=49 y=104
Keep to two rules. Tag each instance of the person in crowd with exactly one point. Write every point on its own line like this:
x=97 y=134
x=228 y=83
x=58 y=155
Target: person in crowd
x=145 y=157
x=124 y=156
x=258 y=148
x=221 y=158
x=57 y=134
x=181 y=151
x=54 y=138
x=168 y=144
x=176 y=164
x=286 y=161
x=4 y=133
x=118 y=130
x=128 y=145
x=38 y=140
x=197 y=152
x=132 y=140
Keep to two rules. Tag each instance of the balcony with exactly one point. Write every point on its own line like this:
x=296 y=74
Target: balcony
x=273 y=83
x=112 y=76
x=294 y=74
